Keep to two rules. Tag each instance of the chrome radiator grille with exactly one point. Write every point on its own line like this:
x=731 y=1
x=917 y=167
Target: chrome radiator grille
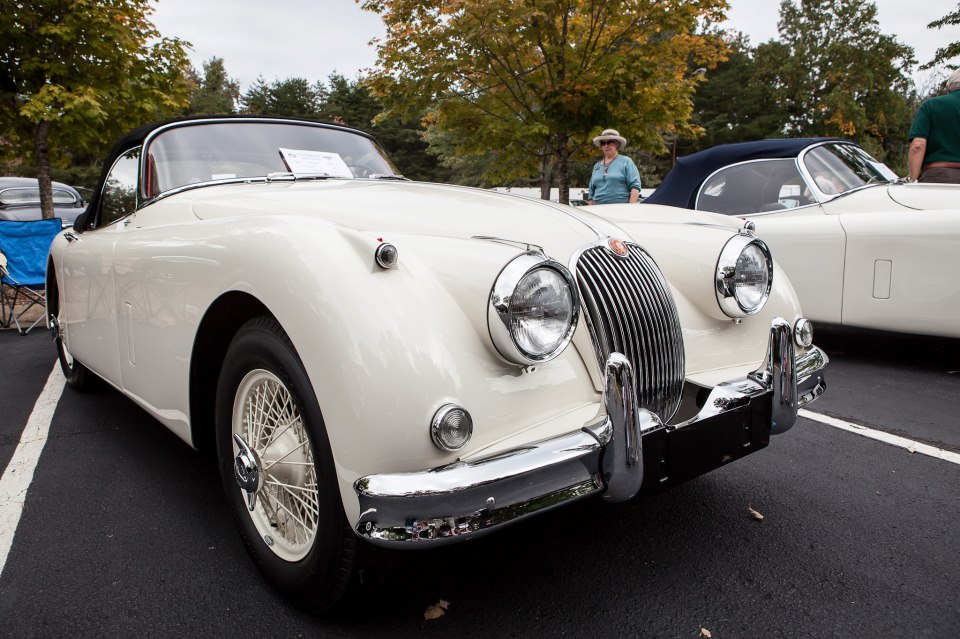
x=629 y=309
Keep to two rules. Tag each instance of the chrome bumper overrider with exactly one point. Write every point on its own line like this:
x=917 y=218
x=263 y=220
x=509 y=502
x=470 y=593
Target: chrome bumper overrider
x=625 y=448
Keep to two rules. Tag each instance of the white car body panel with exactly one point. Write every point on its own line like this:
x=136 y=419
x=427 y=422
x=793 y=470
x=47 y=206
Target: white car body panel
x=425 y=325
x=868 y=261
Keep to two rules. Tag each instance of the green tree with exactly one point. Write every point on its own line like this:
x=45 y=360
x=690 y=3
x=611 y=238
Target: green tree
x=526 y=84
x=836 y=74
x=80 y=72
x=952 y=50
x=736 y=102
x=292 y=97
x=215 y=93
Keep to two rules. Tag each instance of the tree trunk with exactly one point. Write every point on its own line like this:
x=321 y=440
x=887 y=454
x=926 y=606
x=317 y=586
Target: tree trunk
x=42 y=149
x=563 y=170
x=546 y=172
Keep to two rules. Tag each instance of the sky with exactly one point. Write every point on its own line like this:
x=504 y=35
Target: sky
x=313 y=38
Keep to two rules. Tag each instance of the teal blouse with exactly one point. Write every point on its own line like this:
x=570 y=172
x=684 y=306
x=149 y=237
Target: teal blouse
x=613 y=185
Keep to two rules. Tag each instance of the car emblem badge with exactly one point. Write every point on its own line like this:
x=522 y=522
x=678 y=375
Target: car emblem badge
x=619 y=247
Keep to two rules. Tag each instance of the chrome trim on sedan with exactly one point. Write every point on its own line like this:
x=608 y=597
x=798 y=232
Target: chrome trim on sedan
x=467 y=499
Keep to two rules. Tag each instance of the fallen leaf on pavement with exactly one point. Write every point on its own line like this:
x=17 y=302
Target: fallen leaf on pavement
x=435 y=611
x=754 y=513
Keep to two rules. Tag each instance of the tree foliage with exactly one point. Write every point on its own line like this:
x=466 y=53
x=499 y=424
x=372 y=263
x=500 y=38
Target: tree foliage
x=737 y=102
x=80 y=72
x=291 y=96
x=943 y=55
x=836 y=74
x=526 y=84
x=216 y=93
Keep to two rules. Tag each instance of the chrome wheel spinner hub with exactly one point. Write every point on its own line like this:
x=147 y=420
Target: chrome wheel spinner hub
x=247 y=470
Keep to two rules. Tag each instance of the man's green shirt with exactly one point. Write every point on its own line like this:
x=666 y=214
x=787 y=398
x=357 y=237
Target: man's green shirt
x=938 y=120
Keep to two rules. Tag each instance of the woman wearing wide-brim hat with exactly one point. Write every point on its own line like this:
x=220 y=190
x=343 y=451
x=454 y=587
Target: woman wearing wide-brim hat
x=615 y=178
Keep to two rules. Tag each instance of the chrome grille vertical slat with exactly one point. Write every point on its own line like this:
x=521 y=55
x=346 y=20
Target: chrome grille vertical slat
x=630 y=310
x=646 y=278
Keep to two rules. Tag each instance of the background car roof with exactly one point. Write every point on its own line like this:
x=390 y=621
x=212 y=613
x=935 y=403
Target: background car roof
x=679 y=186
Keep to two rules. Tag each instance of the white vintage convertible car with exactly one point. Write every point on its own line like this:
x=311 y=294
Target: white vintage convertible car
x=861 y=247
x=405 y=364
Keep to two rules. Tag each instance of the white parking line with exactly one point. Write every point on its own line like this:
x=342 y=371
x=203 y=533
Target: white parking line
x=19 y=473
x=902 y=442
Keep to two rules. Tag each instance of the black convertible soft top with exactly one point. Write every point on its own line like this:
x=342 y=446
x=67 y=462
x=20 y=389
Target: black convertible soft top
x=679 y=187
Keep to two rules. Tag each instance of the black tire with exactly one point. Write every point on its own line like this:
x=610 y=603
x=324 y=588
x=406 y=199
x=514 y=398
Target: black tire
x=78 y=376
x=313 y=574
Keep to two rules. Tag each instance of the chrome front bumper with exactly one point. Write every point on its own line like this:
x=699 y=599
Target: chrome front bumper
x=624 y=449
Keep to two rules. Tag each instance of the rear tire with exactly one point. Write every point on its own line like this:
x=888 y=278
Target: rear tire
x=296 y=533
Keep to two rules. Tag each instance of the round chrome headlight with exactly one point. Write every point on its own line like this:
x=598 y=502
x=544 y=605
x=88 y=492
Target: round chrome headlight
x=533 y=310
x=744 y=276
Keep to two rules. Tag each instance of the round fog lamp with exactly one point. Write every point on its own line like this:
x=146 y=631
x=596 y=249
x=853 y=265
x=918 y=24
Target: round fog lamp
x=803 y=332
x=451 y=427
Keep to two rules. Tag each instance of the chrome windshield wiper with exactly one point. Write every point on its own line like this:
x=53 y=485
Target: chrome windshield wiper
x=280 y=176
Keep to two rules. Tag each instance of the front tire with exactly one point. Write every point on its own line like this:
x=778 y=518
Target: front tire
x=277 y=469
x=78 y=376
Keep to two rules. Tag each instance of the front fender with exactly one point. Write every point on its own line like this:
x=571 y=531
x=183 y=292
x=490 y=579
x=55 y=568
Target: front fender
x=386 y=348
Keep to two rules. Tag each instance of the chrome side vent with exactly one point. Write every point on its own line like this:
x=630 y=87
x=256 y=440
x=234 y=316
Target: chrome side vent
x=629 y=309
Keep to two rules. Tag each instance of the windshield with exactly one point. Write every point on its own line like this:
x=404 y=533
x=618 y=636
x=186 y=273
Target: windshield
x=838 y=168
x=212 y=151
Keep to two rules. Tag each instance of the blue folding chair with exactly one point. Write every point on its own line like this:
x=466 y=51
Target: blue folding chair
x=25 y=245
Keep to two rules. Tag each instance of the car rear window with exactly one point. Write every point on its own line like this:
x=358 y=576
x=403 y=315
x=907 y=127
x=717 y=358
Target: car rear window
x=22 y=196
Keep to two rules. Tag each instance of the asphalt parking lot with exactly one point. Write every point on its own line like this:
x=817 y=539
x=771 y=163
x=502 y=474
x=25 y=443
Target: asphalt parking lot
x=124 y=531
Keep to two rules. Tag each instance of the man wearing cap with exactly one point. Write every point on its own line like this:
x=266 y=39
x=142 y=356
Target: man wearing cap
x=935 y=137
x=615 y=178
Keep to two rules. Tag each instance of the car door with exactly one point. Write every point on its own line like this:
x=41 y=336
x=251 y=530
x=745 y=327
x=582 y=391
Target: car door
x=901 y=268
x=806 y=240
x=90 y=313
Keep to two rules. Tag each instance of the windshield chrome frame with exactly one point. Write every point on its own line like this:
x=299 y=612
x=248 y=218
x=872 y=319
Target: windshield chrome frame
x=827 y=197
x=142 y=199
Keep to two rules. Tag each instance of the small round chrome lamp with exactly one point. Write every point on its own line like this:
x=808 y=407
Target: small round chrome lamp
x=451 y=427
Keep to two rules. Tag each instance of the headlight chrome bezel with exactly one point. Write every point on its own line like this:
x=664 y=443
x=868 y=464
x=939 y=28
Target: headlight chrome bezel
x=498 y=311
x=726 y=278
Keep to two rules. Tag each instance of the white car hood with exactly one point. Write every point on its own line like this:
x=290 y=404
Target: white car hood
x=391 y=207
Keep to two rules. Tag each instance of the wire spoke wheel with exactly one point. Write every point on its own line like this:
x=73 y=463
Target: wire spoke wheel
x=285 y=510
x=277 y=468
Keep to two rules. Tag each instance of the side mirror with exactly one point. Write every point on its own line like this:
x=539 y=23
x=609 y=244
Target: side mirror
x=80 y=224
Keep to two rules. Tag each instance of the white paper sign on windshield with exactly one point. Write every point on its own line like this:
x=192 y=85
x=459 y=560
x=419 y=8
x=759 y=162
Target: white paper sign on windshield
x=305 y=162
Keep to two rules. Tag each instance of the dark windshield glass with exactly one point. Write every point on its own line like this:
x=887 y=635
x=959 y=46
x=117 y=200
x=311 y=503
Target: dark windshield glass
x=214 y=151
